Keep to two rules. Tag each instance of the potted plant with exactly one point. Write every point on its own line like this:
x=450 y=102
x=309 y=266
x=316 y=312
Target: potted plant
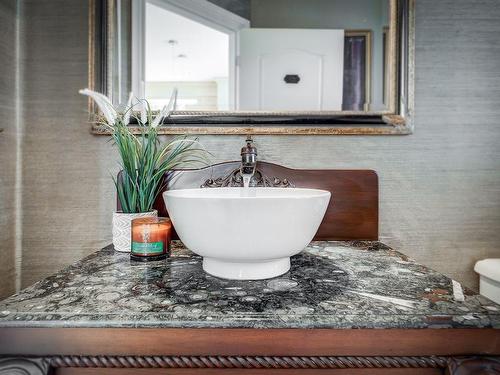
x=144 y=160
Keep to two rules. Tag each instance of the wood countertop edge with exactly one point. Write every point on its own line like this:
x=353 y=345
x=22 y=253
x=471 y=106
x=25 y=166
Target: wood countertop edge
x=248 y=341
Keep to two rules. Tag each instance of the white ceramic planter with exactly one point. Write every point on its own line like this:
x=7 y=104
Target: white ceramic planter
x=122 y=228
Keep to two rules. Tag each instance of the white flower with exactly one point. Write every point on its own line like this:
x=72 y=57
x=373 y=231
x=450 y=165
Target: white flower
x=111 y=113
x=142 y=106
x=104 y=104
x=128 y=109
x=166 y=110
x=144 y=112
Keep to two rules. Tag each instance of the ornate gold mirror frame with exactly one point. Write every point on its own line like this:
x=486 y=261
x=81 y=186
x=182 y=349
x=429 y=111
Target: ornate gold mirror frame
x=399 y=88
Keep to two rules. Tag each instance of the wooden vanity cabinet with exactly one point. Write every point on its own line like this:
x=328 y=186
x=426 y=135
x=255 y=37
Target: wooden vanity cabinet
x=416 y=326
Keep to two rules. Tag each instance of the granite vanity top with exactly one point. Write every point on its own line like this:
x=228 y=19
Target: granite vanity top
x=330 y=285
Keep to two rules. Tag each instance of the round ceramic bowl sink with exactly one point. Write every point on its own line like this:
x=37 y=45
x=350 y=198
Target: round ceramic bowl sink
x=246 y=234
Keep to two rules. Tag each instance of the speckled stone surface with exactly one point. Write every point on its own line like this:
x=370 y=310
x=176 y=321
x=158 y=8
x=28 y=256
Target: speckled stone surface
x=330 y=285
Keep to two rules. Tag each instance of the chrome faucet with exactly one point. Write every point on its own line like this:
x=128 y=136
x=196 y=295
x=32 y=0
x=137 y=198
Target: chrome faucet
x=248 y=160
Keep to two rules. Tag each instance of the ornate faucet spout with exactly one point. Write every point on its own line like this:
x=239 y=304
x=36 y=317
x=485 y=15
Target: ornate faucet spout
x=248 y=160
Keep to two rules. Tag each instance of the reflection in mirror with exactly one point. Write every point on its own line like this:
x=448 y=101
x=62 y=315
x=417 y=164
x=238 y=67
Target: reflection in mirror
x=261 y=55
x=186 y=54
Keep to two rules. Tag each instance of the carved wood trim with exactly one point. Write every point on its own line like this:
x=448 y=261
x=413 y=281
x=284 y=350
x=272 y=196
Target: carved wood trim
x=24 y=366
x=246 y=362
x=476 y=365
x=453 y=365
x=259 y=179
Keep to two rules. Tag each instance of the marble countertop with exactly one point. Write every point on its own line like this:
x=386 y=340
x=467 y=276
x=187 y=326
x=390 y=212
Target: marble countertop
x=330 y=285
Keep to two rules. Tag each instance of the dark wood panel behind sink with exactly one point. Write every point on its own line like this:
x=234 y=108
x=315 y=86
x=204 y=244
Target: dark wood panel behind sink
x=353 y=210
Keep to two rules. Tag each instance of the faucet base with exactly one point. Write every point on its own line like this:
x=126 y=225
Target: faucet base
x=259 y=179
x=252 y=270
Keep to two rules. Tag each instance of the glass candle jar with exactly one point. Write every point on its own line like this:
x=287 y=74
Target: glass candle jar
x=150 y=238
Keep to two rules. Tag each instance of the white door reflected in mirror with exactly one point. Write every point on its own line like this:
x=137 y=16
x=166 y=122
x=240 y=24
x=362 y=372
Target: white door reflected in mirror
x=268 y=56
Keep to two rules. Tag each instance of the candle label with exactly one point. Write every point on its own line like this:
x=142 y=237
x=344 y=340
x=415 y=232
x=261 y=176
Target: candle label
x=144 y=248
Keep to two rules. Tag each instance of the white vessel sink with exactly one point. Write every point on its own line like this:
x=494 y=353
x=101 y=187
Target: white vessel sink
x=246 y=234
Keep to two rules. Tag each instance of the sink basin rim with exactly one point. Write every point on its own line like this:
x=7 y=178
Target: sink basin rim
x=231 y=193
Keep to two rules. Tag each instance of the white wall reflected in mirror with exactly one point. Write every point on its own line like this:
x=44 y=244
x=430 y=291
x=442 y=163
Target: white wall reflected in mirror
x=185 y=54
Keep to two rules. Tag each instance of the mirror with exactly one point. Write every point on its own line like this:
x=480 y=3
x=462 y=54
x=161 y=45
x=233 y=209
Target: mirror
x=275 y=62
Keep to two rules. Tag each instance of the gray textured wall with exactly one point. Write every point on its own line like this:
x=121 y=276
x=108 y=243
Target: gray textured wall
x=67 y=193
x=440 y=187
x=8 y=139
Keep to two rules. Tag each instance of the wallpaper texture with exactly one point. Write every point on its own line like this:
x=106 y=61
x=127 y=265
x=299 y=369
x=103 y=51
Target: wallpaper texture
x=8 y=144
x=440 y=187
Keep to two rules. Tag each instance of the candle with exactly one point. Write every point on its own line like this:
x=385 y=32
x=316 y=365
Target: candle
x=150 y=238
